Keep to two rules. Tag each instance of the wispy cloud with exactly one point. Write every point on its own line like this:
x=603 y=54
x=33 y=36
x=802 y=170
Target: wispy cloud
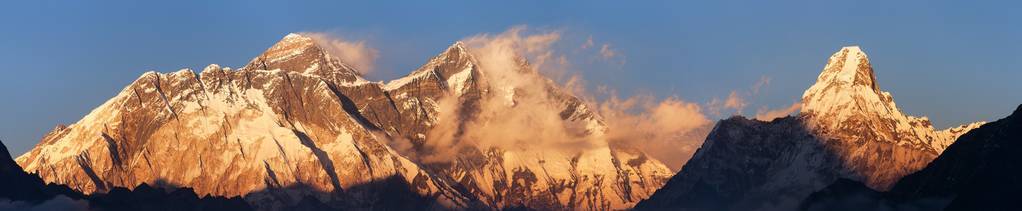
x=588 y=44
x=605 y=52
x=763 y=81
x=737 y=101
x=668 y=130
x=356 y=53
x=765 y=114
x=734 y=101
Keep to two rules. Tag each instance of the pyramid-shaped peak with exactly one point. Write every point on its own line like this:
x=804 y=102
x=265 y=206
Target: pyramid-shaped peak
x=849 y=66
x=290 y=44
x=458 y=49
x=457 y=46
x=847 y=75
x=455 y=53
x=298 y=52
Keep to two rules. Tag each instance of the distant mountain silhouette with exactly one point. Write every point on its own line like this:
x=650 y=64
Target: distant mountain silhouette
x=21 y=190
x=982 y=170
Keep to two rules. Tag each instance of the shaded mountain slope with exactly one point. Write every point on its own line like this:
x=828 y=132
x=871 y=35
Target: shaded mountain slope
x=980 y=171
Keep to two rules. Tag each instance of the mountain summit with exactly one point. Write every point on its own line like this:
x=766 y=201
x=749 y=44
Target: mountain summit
x=848 y=128
x=304 y=54
x=846 y=103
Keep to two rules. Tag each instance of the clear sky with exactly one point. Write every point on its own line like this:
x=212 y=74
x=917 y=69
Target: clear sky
x=954 y=61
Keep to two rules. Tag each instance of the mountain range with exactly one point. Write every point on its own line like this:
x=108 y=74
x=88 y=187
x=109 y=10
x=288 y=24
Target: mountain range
x=480 y=128
x=296 y=125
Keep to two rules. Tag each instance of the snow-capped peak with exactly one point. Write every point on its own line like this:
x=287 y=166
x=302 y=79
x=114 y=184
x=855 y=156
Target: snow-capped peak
x=301 y=53
x=211 y=67
x=456 y=62
x=456 y=51
x=847 y=101
x=849 y=66
x=457 y=46
x=296 y=36
x=847 y=79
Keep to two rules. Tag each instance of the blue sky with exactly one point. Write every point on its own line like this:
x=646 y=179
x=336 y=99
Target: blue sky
x=955 y=62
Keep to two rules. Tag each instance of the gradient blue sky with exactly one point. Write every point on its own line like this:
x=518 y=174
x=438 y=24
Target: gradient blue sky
x=952 y=61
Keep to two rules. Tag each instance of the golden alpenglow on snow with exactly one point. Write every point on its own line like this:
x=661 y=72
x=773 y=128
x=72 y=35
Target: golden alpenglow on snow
x=570 y=105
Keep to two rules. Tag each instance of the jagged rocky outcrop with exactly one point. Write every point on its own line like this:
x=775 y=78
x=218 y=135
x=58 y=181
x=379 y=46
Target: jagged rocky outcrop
x=23 y=191
x=847 y=128
x=297 y=127
x=979 y=171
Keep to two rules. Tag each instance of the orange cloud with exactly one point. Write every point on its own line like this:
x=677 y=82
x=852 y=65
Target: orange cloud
x=358 y=54
x=763 y=114
x=669 y=131
x=763 y=81
x=588 y=44
x=520 y=99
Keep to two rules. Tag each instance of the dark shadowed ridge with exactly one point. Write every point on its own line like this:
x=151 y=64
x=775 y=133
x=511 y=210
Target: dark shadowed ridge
x=982 y=170
x=715 y=179
x=18 y=186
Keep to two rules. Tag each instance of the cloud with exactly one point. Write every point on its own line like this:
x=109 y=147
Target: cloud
x=763 y=114
x=738 y=101
x=521 y=113
x=609 y=54
x=588 y=44
x=669 y=130
x=606 y=52
x=356 y=53
x=734 y=101
x=763 y=81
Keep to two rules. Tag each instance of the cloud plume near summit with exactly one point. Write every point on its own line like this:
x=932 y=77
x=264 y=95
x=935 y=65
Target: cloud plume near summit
x=356 y=53
x=520 y=66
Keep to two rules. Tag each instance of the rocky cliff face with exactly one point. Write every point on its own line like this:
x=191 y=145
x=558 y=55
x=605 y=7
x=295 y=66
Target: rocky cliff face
x=848 y=128
x=297 y=125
